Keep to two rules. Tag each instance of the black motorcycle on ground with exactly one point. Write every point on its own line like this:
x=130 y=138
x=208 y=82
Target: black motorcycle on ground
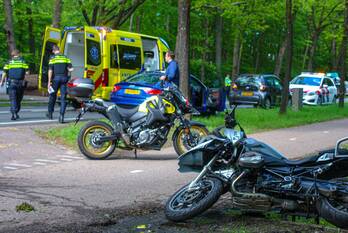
x=144 y=127
x=260 y=179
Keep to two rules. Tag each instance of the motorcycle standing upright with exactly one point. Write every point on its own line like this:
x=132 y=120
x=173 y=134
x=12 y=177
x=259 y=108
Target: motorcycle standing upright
x=144 y=127
x=260 y=179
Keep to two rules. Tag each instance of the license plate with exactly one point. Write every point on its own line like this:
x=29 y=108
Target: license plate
x=247 y=93
x=132 y=92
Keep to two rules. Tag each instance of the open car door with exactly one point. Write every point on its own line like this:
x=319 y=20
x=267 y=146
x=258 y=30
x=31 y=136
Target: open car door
x=52 y=37
x=93 y=60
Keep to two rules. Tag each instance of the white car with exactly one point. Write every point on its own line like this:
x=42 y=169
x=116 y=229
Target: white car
x=317 y=88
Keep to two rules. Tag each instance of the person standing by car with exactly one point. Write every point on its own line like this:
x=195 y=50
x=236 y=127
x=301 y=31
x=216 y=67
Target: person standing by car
x=227 y=89
x=172 y=74
x=15 y=71
x=59 y=67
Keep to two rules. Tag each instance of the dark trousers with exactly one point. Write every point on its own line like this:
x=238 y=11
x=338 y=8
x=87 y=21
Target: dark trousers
x=15 y=91
x=58 y=83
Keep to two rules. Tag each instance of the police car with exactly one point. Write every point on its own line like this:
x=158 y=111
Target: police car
x=317 y=88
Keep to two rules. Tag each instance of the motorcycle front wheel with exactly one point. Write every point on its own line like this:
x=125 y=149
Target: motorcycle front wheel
x=88 y=140
x=186 y=139
x=333 y=211
x=186 y=204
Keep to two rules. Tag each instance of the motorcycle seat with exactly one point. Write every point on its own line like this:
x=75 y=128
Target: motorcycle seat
x=127 y=112
x=305 y=161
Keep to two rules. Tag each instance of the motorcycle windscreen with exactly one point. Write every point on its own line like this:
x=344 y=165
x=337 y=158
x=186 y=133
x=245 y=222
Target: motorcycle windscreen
x=93 y=59
x=52 y=37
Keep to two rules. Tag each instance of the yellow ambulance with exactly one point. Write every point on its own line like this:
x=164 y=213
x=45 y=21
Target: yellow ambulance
x=104 y=55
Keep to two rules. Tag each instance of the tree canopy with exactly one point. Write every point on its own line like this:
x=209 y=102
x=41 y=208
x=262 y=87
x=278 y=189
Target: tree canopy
x=250 y=33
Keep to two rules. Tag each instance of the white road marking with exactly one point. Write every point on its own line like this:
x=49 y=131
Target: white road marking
x=38 y=163
x=136 y=171
x=46 y=160
x=11 y=168
x=31 y=122
x=325 y=131
x=66 y=160
x=19 y=165
x=292 y=139
x=69 y=157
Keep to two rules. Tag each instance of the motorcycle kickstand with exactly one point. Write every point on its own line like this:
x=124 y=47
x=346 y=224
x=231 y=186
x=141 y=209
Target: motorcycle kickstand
x=135 y=154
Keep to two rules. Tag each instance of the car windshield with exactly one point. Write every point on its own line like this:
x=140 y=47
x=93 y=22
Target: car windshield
x=248 y=80
x=145 y=78
x=303 y=80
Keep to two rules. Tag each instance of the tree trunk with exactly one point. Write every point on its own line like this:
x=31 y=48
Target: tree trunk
x=305 y=57
x=279 y=61
x=236 y=54
x=333 y=65
x=218 y=46
x=131 y=23
x=205 y=25
x=289 y=26
x=8 y=26
x=138 y=22
x=342 y=57
x=182 y=44
x=315 y=37
x=57 y=13
x=31 y=37
x=258 y=53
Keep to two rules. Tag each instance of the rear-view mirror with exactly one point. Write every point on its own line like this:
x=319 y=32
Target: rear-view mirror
x=342 y=148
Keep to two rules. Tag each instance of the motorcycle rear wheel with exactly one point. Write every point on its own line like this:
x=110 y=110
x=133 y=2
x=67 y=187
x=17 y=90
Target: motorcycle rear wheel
x=185 y=204
x=182 y=143
x=88 y=140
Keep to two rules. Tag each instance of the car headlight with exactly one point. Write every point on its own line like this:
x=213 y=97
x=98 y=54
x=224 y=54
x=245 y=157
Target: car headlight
x=311 y=93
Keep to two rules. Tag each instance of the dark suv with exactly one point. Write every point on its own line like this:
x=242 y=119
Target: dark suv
x=257 y=89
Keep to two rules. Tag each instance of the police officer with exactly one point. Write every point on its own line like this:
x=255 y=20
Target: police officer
x=59 y=67
x=14 y=72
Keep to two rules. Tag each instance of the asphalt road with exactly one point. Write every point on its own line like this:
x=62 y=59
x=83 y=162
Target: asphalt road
x=37 y=115
x=64 y=187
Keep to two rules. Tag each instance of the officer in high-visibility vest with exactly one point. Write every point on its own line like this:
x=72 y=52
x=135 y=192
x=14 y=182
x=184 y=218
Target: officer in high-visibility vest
x=59 y=67
x=14 y=71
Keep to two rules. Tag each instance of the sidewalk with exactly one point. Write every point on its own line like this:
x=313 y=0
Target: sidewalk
x=26 y=98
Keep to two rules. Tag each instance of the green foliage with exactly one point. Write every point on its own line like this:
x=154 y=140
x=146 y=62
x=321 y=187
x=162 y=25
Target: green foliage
x=25 y=207
x=260 y=24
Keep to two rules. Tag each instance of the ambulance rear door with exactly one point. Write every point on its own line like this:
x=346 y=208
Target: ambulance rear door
x=52 y=37
x=93 y=60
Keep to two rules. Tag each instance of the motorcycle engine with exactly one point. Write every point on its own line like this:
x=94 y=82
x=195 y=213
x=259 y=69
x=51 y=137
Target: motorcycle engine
x=146 y=136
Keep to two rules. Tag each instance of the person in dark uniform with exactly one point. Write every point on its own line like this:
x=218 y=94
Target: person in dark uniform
x=172 y=74
x=59 y=67
x=14 y=72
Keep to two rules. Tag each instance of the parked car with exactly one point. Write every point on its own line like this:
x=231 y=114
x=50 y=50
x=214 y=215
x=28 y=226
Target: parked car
x=135 y=89
x=335 y=78
x=317 y=88
x=257 y=89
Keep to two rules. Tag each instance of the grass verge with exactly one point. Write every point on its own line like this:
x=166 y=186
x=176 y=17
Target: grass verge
x=253 y=120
